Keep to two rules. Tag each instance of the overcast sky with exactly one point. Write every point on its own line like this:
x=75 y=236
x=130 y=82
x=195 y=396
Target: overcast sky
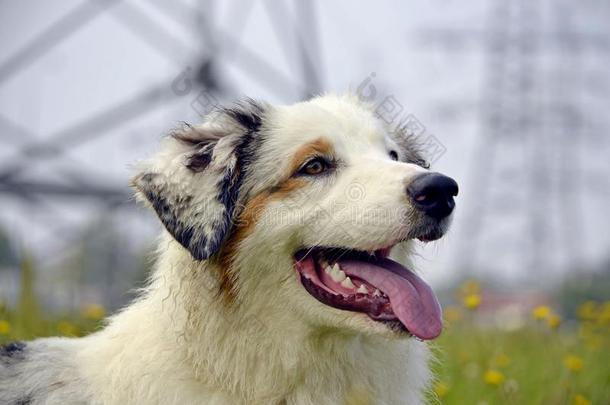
x=116 y=51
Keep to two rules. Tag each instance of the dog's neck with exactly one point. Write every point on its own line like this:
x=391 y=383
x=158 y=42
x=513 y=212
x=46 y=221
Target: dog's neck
x=257 y=353
x=233 y=345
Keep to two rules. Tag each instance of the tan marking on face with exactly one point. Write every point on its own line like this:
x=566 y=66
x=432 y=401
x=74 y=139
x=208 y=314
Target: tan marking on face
x=248 y=216
x=320 y=146
x=251 y=212
x=244 y=227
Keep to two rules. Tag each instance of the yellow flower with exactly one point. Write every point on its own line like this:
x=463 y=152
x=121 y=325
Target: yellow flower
x=580 y=400
x=604 y=313
x=553 y=321
x=463 y=356
x=441 y=389
x=585 y=330
x=5 y=327
x=501 y=360
x=493 y=377
x=452 y=314
x=594 y=342
x=66 y=328
x=587 y=311
x=573 y=363
x=470 y=287
x=472 y=301
x=541 y=312
x=94 y=312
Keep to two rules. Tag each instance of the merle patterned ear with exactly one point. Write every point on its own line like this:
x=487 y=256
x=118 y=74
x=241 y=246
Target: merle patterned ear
x=198 y=223
x=194 y=185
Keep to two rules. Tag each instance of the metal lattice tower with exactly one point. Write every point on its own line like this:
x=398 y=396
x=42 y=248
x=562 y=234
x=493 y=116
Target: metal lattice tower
x=215 y=48
x=525 y=200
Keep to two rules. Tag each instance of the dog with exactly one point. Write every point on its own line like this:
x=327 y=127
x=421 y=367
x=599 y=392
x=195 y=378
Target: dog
x=273 y=282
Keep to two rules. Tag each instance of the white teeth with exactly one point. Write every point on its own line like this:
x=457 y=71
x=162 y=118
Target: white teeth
x=337 y=274
x=327 y=269
x=377 y=293
x=347 y=283
x=362 y=289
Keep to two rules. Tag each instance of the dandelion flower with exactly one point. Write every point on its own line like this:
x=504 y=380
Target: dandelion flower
x=587 y=311
x=493 y=377
x=463 y=356
x=470 y=287
x=541 y=312
x=573 y=363
x=580 y=400
x=441 y=389
x=452 y=314
x=66 y=328
x=604 y=314
x=5 y=327
x=472 y=301
x=553 y=321
x=594 y=342
x=94 y=312
x=501 y=360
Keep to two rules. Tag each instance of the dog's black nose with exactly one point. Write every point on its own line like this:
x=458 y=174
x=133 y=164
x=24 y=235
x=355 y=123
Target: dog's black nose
x=433 y=194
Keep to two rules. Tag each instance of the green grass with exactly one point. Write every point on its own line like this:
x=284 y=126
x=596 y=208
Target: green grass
x=529 y=365
x=540 y=363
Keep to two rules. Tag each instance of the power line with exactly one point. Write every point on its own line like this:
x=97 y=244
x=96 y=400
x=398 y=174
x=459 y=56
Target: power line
x=13 y=132
x=46 y=40
x=309 y=47
x=227 y=46
x=41 y=188
x=88 y=129
x=152 y=34
x=101 y=123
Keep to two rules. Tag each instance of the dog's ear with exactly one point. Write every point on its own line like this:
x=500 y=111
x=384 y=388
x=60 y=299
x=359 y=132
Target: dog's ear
x=194 y=184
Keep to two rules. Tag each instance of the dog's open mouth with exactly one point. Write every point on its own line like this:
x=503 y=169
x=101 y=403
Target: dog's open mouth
x=373 y=284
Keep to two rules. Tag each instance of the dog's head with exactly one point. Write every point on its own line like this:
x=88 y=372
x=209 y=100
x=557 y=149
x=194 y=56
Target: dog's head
x=300 y=206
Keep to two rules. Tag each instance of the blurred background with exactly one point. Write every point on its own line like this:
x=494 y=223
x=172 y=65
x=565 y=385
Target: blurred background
x=510 y=98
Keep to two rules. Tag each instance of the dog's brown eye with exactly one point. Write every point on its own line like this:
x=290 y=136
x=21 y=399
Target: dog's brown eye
x=315 y=166
x=393 y=155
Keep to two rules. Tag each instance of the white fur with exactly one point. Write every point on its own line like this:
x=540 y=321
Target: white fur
x=180 y=343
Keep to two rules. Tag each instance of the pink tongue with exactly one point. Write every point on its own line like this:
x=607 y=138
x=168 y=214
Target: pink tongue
x=412 y=300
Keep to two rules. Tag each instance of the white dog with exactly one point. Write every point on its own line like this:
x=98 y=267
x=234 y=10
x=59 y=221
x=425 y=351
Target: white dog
x=273 y=283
